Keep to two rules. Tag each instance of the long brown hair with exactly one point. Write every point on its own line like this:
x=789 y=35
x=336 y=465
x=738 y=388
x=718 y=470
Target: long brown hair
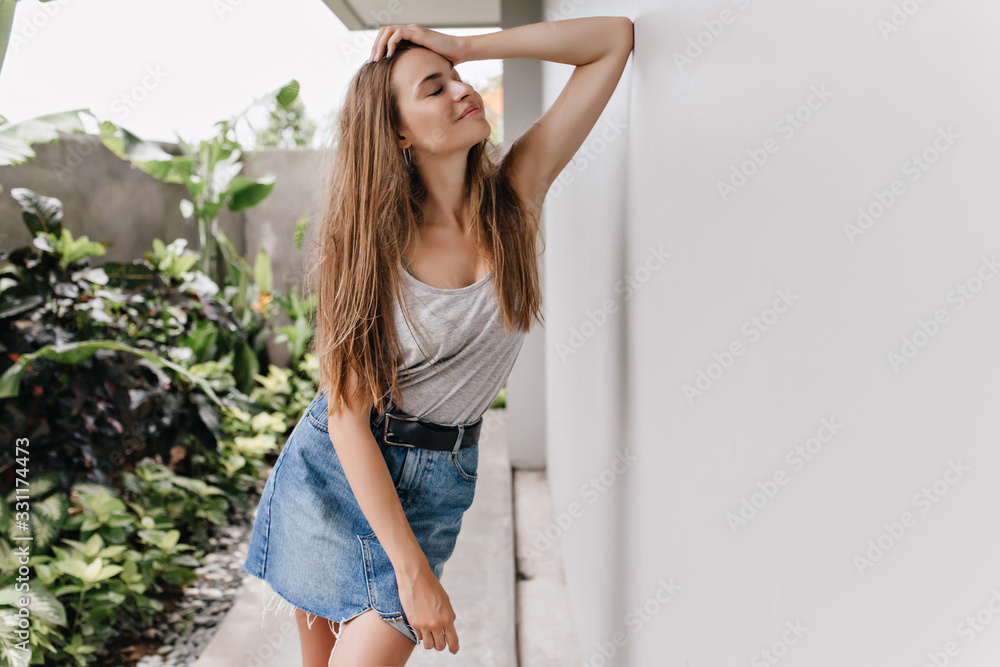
x=371 y=209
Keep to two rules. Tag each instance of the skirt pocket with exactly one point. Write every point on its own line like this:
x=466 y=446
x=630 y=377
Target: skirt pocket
x=380 y=576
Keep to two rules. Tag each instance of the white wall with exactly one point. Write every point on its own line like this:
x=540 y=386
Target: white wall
x=525 y=420
x=825 y=358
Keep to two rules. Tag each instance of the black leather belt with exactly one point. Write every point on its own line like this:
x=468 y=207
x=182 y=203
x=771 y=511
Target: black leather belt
x=407 y=431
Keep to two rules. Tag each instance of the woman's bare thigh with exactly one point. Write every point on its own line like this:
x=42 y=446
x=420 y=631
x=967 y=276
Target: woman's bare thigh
x=316 y=638
x=366 y=639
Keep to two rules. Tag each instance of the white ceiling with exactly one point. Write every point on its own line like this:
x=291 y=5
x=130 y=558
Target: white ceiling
x=372 y=14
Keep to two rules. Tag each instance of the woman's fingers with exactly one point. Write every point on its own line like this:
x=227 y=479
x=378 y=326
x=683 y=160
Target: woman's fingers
x=452 y=637
x=388 y=36
x=440 y=641
x=428 y=639
x=390 y=45
x=371 y=56
x=443 y=637
x=380 y=38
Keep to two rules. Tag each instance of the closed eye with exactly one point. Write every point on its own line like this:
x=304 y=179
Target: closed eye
x=436 y=92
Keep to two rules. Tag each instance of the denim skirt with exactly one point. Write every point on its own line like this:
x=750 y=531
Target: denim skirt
x=311 y=542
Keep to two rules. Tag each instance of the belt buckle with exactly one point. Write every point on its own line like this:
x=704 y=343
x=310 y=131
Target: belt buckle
x=386 y=432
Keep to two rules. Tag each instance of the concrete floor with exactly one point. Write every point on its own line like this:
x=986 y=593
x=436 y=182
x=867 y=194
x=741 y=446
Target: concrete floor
x=511 y=611
x=546 y=635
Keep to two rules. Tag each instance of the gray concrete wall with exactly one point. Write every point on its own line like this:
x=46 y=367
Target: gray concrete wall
x=103 y=197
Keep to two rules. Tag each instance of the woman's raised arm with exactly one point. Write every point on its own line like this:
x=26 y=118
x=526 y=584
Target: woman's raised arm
x=599 y=47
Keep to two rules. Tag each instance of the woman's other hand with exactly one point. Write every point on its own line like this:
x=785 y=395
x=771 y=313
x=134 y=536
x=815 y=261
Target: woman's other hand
x=428 y=610
x=451 y=47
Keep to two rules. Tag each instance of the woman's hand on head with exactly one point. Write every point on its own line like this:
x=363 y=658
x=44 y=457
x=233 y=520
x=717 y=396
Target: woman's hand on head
x=452 y=47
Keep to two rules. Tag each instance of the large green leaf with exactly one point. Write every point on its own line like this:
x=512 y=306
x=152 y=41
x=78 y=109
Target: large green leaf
x=11 y=306
x=74 y=353
x=42 y=485
x=248 y=192
x=146 y=155
x=44 y=532
x=288 y=93
x=130 y=277
x=41 y=603
x=9 y=653
x=262 y=271
x=53 y=508
x=16 y=138
x=40 y=213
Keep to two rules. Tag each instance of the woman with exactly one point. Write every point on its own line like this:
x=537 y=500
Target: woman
x=427 y=266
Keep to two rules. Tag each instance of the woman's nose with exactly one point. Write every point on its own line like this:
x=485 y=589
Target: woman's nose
x=464 y=89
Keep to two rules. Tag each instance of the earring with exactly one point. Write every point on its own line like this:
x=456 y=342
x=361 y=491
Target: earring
x=407 y=157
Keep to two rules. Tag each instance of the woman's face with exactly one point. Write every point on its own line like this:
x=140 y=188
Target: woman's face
x=432 y=97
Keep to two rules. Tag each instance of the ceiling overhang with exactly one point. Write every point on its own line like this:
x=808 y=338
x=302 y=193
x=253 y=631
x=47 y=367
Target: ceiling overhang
x=372 y=14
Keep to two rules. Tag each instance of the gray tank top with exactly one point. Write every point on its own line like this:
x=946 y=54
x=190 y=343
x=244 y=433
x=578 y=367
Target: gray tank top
x=461 y=331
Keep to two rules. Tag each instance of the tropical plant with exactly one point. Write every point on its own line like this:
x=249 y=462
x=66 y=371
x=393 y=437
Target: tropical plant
x=106 y=364
x=287 y=126
x=17 y=138
x=209 y=171
x=96 y=583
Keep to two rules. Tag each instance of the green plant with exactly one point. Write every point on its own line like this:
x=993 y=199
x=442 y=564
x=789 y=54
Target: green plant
x=239 y=461
x=98 y=584
x=17 y=138
x=300 y=332
x=209 y=171
x=102 y=512
x=500 y=400
x=164 y=500
x=99 y=581
x=48 y=506
x=28 y=645
x=287 y=126
x=102 y=365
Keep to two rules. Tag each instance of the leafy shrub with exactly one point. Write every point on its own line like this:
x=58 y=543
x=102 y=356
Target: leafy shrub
x=105 y=365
